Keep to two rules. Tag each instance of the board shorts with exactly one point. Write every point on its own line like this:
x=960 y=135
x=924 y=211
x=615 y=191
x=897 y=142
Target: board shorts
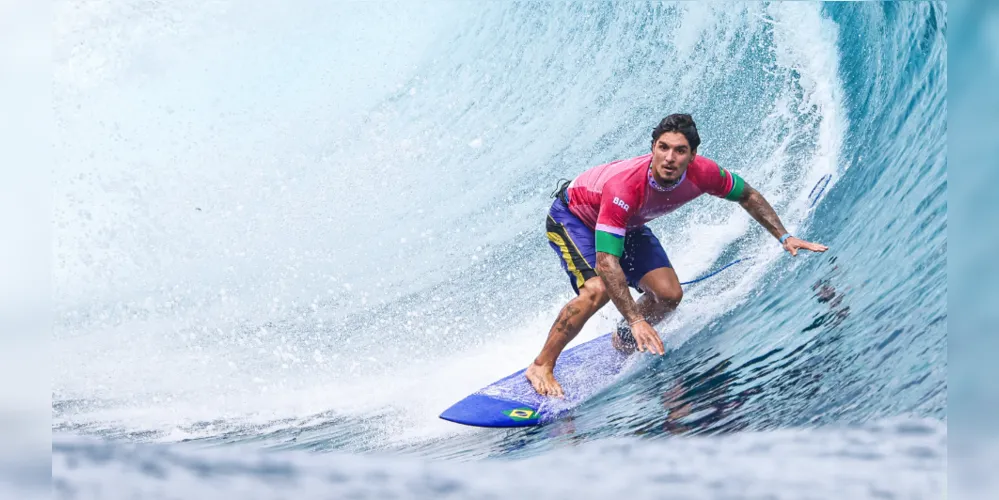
x=575 y=244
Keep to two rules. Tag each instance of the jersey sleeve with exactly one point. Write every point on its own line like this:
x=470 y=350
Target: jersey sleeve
x=721 y=182
x=617 y=205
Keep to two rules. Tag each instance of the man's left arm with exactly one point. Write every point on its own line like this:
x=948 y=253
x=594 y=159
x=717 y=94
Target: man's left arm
x=758 y=207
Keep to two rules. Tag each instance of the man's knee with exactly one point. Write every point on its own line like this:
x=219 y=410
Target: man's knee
x=669 y=295
x=594 y=293
x=664 y=287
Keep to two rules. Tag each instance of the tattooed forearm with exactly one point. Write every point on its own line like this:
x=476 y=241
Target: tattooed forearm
x=609 y=268
x=758 y=207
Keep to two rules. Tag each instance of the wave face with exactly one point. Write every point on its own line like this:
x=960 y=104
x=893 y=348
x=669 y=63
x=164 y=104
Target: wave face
x=314 y=227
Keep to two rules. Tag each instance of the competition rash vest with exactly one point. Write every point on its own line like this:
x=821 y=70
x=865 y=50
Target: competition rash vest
x=616 y=197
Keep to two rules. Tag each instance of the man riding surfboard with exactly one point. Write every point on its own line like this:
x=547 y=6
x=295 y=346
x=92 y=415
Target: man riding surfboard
x=596 y=225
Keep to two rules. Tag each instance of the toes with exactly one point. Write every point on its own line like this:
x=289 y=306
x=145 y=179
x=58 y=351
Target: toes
x=542 y=388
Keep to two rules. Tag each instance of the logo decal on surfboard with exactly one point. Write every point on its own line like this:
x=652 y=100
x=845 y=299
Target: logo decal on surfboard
x=521 y=414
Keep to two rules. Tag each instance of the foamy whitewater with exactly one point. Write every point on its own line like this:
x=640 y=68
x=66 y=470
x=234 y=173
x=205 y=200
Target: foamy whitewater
x=288 y=236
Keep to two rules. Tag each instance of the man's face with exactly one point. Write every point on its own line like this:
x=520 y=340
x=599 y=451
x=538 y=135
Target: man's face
x=671 y=154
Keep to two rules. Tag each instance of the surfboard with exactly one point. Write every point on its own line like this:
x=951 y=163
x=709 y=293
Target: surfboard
x=582 y=370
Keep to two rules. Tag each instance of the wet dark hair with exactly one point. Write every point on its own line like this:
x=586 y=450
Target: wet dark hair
x=681 y=123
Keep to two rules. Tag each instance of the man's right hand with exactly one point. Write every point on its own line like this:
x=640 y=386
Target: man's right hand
x=646 y=338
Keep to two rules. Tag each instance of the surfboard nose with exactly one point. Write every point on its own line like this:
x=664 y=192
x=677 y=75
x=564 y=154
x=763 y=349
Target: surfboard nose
x=487 y=411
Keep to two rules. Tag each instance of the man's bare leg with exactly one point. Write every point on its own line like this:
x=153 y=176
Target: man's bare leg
x=592 y=296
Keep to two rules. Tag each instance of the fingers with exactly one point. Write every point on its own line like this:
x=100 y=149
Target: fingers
x=651 y=342
x=814 y=247
x=794 y=244
x=808 y=245
x=654 y=344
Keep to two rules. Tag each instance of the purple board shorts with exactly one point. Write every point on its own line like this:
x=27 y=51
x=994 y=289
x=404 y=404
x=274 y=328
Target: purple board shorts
x=575 y=245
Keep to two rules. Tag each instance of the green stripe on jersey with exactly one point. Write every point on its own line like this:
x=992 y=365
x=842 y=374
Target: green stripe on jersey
x=610 y=243
x=738 y=186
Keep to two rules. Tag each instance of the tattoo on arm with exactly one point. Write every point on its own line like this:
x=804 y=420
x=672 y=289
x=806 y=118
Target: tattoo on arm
x=609 y=268
x=758 y=207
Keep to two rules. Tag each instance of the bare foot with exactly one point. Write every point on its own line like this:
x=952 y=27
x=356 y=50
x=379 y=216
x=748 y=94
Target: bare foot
x=543 y=380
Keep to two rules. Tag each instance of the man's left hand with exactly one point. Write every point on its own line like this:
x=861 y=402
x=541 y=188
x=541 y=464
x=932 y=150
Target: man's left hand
x=793 y=244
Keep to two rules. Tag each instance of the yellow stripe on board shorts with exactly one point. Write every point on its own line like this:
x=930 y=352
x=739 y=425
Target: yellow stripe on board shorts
x=577 y=267
x=567 y=257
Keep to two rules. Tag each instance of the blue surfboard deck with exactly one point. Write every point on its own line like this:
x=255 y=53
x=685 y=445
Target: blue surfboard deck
x=582 y=371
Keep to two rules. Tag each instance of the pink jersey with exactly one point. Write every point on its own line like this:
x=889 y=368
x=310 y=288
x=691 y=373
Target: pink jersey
x=622 y=195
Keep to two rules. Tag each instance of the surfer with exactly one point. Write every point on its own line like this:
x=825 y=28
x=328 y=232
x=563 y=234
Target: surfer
x=596 y=225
